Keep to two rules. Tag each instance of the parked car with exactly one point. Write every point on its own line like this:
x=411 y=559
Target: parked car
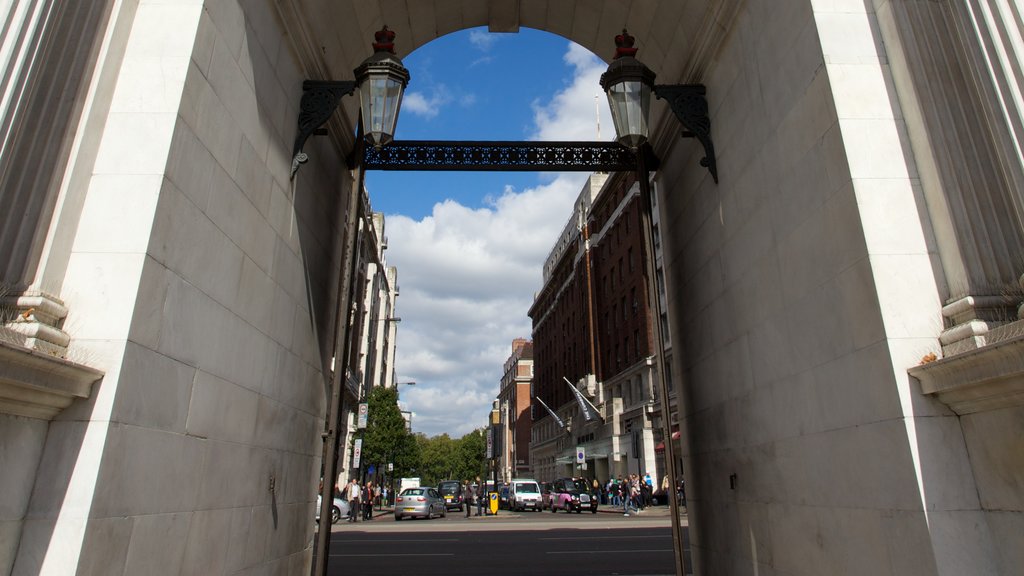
x=523 y=494
x=419 y=503
x=572 y=495
x=339 y=509
x=503 y=496
x=451 y=491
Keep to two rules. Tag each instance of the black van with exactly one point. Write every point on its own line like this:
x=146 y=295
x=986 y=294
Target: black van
x=451 y=491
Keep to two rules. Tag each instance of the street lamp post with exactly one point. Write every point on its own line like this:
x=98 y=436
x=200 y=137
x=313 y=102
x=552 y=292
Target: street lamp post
x=381 y=79
x=629 y=84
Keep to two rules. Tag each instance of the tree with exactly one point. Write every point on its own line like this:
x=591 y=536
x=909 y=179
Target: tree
x=442 y=458
x=385 y=438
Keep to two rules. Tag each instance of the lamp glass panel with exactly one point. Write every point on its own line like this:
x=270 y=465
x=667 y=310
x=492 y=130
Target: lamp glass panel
x=378 y=102
x=630 y=103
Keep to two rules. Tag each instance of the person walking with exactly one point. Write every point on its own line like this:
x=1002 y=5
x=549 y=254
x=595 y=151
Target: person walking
x=467 y=498
x=368 y=501
x=478 y=495
x=352 y=493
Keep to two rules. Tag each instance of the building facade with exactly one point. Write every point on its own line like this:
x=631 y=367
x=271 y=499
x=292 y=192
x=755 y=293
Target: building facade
x=592 y=326
x=514 y=403
x=374 y=332
x=843 y=300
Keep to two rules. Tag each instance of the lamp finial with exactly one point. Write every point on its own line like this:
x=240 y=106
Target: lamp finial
x=624 y=45
x=384 y=40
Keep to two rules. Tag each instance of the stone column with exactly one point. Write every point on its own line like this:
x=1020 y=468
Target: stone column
x=964 y=64
x=46 y=56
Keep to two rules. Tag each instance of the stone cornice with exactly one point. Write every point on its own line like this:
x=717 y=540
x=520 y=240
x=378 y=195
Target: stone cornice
x=38 y=385
x=988 y=378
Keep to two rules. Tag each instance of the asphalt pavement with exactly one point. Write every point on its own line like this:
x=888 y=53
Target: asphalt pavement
x=510 y=543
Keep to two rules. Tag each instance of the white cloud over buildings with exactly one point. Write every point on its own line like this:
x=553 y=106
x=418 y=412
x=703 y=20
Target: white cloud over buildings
x=468 y=275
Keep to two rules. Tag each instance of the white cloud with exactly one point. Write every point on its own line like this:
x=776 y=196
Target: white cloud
x=483 y=41
x=429 y=106
x=572 y=114
x=468 y=276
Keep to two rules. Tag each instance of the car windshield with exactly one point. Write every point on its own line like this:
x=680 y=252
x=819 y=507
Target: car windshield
x=448 y=488
x=581 y=485
x=413 y=492
x=528 y=488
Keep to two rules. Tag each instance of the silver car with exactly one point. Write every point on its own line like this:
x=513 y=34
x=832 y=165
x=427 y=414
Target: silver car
x=338 y=510
x=420 y=503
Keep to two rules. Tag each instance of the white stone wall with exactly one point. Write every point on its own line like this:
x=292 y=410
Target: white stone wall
x=196 y=273
x=803 y=290
x=21 y=446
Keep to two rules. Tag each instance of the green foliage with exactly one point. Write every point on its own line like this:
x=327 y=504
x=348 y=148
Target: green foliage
x=442 y=458
x=385 y=438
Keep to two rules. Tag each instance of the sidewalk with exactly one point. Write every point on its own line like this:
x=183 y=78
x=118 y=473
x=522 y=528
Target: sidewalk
x=388 y=512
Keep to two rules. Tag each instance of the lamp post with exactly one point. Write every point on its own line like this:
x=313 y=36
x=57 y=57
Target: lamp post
x=382 y=79
x=629 y=84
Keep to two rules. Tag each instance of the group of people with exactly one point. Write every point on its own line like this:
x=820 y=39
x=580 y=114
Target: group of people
x=473 y=493
x=632 y=492
x=362 y=499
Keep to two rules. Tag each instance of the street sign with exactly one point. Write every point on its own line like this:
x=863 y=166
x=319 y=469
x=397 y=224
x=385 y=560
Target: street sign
x=364 y=410
x=581 y=455
x=357 y=452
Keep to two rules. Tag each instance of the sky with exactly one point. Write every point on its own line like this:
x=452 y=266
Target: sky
x=469 y=246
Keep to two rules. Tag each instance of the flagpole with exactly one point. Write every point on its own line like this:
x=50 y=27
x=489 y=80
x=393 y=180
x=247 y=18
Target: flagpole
x=584 y=398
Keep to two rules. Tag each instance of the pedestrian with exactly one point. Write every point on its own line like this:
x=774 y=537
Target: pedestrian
x=478 y=495
x=352 y=493
x=368 y=501
x=467 y=499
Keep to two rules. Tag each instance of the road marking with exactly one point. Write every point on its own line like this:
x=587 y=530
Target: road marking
x=388 y=554
x=609 y=537
x=347 y=541
x=629 y=551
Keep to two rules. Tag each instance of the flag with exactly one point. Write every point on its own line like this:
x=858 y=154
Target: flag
x=588 y=410
x=553 y=415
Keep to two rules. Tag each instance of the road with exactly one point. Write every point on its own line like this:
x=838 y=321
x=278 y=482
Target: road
x=509 y=544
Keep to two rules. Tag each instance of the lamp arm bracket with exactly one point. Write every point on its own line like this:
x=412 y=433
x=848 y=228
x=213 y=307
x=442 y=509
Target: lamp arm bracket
x=319 y=101
x=688 y=103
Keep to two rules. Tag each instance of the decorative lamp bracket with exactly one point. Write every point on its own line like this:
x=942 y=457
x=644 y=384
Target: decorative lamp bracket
x=320 y=99
x=691 y=108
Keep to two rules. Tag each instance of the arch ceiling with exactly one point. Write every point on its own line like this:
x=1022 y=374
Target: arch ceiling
x=677 y=38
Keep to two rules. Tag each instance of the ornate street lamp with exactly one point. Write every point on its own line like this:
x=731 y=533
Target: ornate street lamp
x=629 y=84
x=381 y=80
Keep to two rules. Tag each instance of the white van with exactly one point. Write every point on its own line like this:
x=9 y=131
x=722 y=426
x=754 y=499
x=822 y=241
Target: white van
x=523 y=494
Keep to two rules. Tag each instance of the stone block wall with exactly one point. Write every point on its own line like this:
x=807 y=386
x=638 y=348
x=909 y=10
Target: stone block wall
x=804 y=288
x=196 y=274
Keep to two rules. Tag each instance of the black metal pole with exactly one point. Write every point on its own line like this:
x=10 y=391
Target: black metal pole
x=341 y=347
x=654 y=302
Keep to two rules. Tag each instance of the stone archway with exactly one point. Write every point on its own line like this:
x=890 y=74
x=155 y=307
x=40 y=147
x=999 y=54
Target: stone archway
x=801 y=288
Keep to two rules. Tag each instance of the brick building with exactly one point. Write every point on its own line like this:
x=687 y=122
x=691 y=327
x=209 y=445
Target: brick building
x=592 y=331
x=514 y=403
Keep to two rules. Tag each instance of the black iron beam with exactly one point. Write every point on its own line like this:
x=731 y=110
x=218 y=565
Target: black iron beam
x=467 y=156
